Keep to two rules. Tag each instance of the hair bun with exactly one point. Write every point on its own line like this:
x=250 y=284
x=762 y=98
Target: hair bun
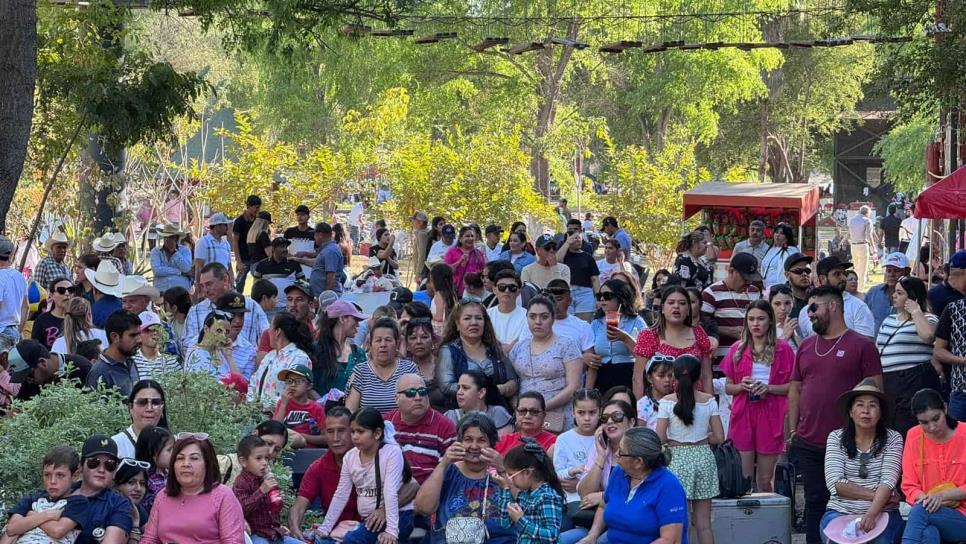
x=531 y=446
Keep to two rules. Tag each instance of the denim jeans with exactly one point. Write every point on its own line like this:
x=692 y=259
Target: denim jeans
x=925 y=528
x=582 y=300
x=9 y=337
x=361 y=535
x=574 y=535
x=811 y=463
x=957 y=405
x=889 y=536
x=280 y=540
x=354 y=236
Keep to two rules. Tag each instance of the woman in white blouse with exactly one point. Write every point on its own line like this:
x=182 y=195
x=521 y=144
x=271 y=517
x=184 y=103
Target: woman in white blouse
x=773 y=263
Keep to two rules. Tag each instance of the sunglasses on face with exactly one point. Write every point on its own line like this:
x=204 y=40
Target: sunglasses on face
x=813 y=307
x=616 y=417
x=413 y=391
x=65 y=290
x=141 y=403
x=93 y=463
x=529 y=411
x=605 y=295
x=504 y=287
x=801 y=271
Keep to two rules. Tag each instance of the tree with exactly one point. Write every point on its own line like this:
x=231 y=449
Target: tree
x=903 y=152
x=18 y=64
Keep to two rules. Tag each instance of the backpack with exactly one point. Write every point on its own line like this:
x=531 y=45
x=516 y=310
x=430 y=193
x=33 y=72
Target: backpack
x=731 y=481
x=785 y=481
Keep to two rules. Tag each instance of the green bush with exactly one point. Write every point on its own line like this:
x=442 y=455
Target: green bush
x=63 y=414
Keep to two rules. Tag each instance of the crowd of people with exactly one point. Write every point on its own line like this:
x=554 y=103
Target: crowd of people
x=524 y=391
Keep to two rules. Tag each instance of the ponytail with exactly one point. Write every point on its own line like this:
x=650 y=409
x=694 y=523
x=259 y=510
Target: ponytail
x=687 y=371
x=530 y=455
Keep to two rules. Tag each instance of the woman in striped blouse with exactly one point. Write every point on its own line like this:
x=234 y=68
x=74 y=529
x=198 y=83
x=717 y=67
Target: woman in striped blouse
x=863 y=462
x=905 y=343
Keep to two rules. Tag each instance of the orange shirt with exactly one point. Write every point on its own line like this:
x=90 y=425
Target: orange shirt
x=943 y=463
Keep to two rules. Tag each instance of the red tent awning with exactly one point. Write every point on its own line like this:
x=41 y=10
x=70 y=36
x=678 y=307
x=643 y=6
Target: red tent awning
x=717 y=194
x=945 y=199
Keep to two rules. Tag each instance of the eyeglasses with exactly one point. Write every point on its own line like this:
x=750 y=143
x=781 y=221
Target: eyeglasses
x=529 y=411
x=514 y=475
x=616 y=417
x=141 y=403
x=295 y=381
x=864 y=459
x=605 y=295
x=196 y=436
x=93 y=463
x=65 y=290
x=801 y=271
x=135 y=463
x=504 y=287
x=813 y=307
x=413 y=391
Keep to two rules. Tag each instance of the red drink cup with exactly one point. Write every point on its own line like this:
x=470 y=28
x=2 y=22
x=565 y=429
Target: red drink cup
x=613 y=318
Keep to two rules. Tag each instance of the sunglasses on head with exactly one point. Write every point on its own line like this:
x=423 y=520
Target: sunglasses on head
x=141 y=403
x=65 y=290
x=413 y=391
x=196 y=436
x=93 y=463
x=616 y=417
x=504 y=287
x=605 y=295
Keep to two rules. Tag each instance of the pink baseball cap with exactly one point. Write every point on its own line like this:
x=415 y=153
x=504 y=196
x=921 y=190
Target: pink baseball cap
x=340 y=308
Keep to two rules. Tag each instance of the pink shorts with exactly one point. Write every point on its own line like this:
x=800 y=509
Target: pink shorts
x=761 y=429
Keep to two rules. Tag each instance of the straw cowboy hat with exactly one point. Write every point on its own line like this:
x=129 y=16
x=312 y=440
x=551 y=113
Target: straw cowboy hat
x=106 y=279
x=58 y=237
x=137 y=285
x=117 y=237
x=169 y=229
x=865 y=387
x=104 y=244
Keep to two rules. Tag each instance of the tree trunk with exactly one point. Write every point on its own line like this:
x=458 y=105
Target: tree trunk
x=774 y=80
x=18 y=64
x=551 y=72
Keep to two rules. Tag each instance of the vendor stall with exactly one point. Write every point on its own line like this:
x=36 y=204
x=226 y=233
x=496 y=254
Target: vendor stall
x=728 y=208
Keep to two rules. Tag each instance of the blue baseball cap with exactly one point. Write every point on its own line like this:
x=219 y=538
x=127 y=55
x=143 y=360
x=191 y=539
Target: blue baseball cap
x=958 y=260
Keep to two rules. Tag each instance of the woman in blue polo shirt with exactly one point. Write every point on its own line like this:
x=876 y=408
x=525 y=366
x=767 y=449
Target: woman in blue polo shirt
x=644 y=502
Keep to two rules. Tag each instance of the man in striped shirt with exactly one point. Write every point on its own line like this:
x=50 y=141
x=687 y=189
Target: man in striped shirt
x=726 y=301
x=423 y=433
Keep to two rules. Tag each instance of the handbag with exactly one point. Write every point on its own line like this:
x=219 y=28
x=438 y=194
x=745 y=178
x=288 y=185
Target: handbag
x=940 y=486
x=469 y=529
x=554 y=421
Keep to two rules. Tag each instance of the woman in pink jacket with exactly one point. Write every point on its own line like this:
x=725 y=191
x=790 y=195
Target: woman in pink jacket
x=464 y=257
x=758 y=369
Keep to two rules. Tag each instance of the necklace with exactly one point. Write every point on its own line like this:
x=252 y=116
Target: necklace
x=830 y=349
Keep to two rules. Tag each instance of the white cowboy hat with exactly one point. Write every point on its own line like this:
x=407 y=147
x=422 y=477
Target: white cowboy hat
x=117 y=237
x=104 y=244
x=169 y=229
x=106 y=280
x=138 y=285
x=58 y=237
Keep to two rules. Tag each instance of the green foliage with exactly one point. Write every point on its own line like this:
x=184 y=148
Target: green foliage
x=62 y=414
x=647 y=191
x=903 y=152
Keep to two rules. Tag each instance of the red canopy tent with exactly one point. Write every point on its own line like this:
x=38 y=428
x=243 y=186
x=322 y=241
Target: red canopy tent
x=945 y=199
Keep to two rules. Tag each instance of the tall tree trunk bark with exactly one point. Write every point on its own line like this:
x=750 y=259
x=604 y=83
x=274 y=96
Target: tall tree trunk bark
x=18 y=64
x=774 y=80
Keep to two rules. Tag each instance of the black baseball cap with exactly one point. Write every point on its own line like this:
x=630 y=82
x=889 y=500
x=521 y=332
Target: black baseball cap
x=281 y=241
x=545 y=240
x=232 y=302
x=796 y=258
x=747 y=265
x=302 y=208
x=448 y=230
x=609 y=221
x=99 y=444
x=400 y=296
x=265 y=215
x=490 y=229
x=828 y=264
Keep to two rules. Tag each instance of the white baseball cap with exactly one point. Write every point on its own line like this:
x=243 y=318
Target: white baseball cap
x=898 y=260
x=218 y=219
x=148 y=319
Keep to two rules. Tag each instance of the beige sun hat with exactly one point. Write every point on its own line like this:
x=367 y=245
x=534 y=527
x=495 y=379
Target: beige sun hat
x=106 y=279
x=58 y=237
x=138 y=285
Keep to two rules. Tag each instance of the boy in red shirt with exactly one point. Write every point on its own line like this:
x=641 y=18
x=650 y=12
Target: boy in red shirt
x=297 y=410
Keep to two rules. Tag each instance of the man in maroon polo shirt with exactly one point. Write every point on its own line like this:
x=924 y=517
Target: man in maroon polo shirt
x=322 y=477
x=422 y=433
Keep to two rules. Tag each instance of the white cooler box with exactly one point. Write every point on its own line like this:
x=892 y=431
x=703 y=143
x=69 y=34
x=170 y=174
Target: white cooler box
x=757 y=518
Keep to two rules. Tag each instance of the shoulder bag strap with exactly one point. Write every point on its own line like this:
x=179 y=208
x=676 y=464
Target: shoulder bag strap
x=891 y=336
x=378 y=481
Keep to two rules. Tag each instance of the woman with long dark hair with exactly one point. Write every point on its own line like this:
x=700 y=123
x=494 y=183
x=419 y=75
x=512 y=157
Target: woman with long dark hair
x=470 y=342
x=689 y=266
x=293 y=343
x=673 y=335
x=442 y=291
x=464 y=257
x=49 y=326
x=384 y=251
x=476 y=393
x=614 y=344
x=905 y=343
x=145 y=406
x=336 y=354
x=934 y=473
x=343 y=241
x=773 y=263
x=515 y=251
x=863 y=461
